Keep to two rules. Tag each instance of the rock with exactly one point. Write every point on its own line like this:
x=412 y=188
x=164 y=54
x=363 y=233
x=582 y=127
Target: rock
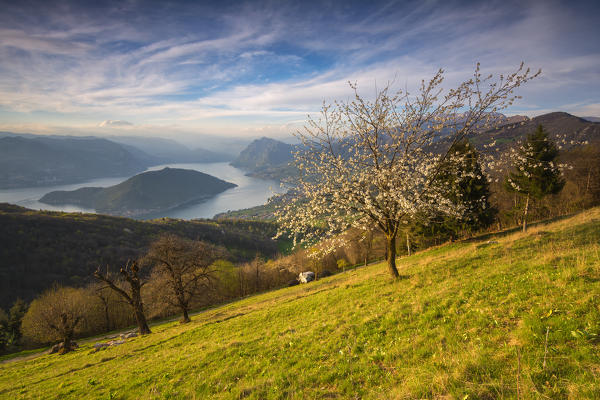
x=58 y=348
x=128 y=335
x=54 y=349
x=306 y=277
x=115 y=342
x=100 y=346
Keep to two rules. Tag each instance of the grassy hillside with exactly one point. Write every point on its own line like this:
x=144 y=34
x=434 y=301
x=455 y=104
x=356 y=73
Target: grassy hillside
x=467 y=321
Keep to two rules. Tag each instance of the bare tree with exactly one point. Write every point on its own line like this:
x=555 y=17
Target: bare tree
x=131 y=274
x=58 y=314
x=375 y=162
x=108 y=309
x=186 y=267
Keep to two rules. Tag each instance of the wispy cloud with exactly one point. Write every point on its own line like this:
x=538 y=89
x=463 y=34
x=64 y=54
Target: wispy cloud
x=237 y=68
x=113 y=123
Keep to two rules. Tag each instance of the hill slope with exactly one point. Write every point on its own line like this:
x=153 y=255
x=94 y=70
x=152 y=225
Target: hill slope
x=467 y=320
x=145 y=193
x=41 y=247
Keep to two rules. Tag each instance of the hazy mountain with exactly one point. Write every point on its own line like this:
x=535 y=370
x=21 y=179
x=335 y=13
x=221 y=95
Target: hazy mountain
x=146 y=193
x=266 y=158
x=39 y=160
x=169 y=151
x=592 y=119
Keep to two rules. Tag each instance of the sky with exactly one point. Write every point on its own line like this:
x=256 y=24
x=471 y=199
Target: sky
x=230 y=68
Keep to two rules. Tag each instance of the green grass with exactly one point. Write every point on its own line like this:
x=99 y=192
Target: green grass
x=467 y=321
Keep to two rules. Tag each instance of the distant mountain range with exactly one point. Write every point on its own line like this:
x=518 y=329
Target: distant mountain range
x=266 y=158
x=143 y=194
x=557 y=123
x=592 y=119
x=164 y=151
x=38 y=160
x=269 y=158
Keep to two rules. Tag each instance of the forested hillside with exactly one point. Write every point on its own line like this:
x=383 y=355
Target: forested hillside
x=40 y=248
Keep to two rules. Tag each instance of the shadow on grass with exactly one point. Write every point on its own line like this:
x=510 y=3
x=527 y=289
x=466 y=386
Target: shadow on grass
x=510 y=231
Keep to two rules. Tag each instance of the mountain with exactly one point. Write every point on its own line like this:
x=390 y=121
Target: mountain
x=146 y=193
x=39 y=161
x=169 y=151
x=573 y=128
x=266 y=158
x=43 y=247
x=592 y=119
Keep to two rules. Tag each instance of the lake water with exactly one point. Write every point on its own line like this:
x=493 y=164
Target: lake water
x=250 y=192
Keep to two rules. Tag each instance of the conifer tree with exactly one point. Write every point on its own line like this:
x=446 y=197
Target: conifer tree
x=536 y=172
x=466 y=186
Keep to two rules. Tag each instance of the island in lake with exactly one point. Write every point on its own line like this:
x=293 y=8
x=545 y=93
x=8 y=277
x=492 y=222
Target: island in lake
x=146 y=193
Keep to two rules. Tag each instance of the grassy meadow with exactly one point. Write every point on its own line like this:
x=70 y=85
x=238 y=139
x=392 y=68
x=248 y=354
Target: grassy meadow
x=507 y=316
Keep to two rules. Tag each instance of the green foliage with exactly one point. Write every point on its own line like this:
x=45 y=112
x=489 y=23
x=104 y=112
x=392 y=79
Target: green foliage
x=10 y=325
x=536 y=173
x=342 y=264
x=4 y=337
x=15 y=318
x=467 y=186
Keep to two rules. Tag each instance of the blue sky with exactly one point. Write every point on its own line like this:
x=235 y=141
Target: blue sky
x=258 y=68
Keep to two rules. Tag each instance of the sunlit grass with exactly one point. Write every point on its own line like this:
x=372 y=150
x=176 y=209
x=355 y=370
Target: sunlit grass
x=466 y=319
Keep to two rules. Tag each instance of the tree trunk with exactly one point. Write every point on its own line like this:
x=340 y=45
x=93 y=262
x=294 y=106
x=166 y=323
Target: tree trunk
x=391 y=256
x=587 y=184
x=141 y=321
x=525 y=213
x=106 y=316
x=186 y=318
x=67 y=343
x=408 y=244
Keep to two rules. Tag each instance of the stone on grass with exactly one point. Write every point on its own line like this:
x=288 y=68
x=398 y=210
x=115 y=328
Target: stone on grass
x=60 y=346
x=306 y=277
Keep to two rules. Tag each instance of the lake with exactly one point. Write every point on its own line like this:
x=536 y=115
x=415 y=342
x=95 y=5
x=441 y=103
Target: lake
x=250 y=192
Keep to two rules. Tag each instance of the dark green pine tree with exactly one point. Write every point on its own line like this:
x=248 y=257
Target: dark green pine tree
x=463 y=182
x=536 y=173
x=466 y=185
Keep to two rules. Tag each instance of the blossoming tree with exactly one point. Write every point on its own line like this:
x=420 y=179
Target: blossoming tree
x=374 y=162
